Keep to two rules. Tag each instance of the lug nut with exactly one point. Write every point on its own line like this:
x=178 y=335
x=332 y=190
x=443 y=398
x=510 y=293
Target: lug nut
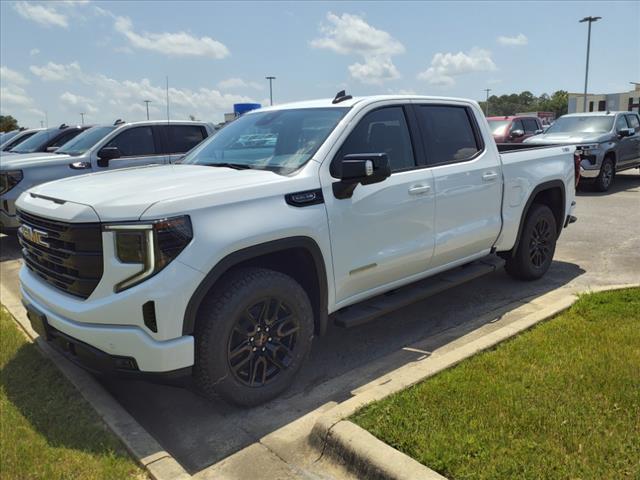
x=258 y=328
x=266 y=329
x=270 y=339
x=251 y=339
x=254 y=349
x=263 y=349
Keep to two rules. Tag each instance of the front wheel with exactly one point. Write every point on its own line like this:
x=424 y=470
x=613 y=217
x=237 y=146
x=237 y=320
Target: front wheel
x=604 y=180
x=252 y=336
x=536 y=247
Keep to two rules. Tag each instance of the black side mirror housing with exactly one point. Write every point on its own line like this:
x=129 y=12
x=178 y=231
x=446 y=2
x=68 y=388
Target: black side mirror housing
x=107 y=153
x=359 y=168
x=625 y=132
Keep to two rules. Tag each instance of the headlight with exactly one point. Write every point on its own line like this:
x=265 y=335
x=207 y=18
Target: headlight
x=153 y=245
x=10 y=179
x=587 y=149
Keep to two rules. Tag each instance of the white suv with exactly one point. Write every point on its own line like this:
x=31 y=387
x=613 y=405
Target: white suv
x=227 y=265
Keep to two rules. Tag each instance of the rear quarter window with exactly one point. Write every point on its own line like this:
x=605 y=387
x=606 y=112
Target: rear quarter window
x=183 y=138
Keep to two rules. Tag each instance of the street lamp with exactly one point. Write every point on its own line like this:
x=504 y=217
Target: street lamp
x=147 y=102
x=586 y=73
x=486 y=108
x=271 y=79
x=82 y=114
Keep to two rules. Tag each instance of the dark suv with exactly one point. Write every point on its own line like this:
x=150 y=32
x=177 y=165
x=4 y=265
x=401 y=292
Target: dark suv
x=514 y=129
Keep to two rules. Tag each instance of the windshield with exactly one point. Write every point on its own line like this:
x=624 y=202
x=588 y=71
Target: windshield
x=582 y=124
x=7 y=135
x=281 y=140
x=83 y=142
x=34 y=143
x=497 y=126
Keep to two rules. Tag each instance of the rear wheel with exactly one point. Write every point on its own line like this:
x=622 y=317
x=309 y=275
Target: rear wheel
x=606 y=176
x=252 y=336
x=537 y=245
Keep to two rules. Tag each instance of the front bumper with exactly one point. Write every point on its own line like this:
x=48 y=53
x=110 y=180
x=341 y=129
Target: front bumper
x=589 y=173
x=94 y=360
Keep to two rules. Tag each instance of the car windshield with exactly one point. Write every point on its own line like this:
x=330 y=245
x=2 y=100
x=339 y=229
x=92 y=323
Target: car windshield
x=281 y=140
x=8 y=135
x=83 y=142
x=497 y=126
x=582 y=124
x=35 y=142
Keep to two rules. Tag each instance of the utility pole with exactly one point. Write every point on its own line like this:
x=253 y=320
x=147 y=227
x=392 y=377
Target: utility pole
x=147 y=102
x=586 y=72
x=82 y=114
x=167 y=98
x=486 y=107
x=41 y=123
x=271 y=79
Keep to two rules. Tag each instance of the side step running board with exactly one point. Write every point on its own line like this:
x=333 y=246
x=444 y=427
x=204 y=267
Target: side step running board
x=377 y=306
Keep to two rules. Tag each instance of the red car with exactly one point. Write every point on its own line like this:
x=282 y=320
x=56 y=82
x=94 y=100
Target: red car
x=514 y=129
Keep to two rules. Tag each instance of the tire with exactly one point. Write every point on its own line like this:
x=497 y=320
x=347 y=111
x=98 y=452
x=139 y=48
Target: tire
x=253 y=333
x=607 y=174
x=537 y=245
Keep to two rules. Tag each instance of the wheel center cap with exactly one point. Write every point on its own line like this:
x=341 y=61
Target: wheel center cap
x=260 y=339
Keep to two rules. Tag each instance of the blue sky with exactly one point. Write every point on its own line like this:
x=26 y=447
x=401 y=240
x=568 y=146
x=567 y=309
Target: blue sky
x=105 y=58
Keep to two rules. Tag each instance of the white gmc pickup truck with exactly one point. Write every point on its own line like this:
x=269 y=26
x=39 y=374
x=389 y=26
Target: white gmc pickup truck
x=224 y=267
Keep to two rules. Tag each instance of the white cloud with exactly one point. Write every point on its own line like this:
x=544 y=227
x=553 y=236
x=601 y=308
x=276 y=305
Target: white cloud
x=172 y=44
x=14 y=95
x=44 y=15
x=235 y=83
x=34 y=51
x=73 y=100
x=55 y=71
x=517 y=41
x=352 y=35
x=446 y=66
x=11 y=76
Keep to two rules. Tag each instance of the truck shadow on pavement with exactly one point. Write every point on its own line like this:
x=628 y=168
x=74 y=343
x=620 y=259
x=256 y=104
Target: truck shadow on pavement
x=199 y=433
x=9 y=248
x=622 y=183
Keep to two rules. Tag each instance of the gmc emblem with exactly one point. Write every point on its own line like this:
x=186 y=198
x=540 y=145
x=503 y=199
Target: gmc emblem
x=33 y=235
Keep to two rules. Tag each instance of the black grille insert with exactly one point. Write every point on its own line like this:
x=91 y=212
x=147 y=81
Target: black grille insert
x=65 y=255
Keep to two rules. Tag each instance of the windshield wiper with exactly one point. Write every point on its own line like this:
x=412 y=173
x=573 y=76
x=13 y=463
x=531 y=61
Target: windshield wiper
x=236 y=166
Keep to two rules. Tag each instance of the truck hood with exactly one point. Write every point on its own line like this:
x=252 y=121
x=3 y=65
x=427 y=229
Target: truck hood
x=575 y=138
x=125 y=194
x=18 y=161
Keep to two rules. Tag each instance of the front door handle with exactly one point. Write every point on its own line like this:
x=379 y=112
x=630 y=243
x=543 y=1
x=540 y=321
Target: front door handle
x=418 y=189
x=489 y=176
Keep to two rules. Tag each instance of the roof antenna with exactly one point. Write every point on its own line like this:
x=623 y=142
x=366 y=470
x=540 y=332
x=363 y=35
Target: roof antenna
x=341 y=96
x=118 y=122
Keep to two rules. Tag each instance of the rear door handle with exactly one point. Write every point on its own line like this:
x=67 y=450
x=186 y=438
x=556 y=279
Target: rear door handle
x=418 y=189
x=488 y=176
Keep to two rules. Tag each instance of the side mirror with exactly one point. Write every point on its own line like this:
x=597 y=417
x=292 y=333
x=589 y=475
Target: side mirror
x=80 y=165
x=517 y=133
x=106 y=154
x=538 y=132
x=625 y=132
x=363 y=168
x=51 y=149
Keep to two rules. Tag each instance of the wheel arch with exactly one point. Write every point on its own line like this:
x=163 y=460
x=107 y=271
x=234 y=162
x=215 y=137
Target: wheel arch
x=299 y=257
x=551 y=194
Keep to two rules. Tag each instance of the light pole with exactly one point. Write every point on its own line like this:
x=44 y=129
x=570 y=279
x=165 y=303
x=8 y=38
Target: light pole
x=271 y=79
x=486 y=108
x=586 y=73
x=147 y=103
x=82 y=114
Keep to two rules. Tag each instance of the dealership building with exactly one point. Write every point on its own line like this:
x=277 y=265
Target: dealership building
x=625 y=101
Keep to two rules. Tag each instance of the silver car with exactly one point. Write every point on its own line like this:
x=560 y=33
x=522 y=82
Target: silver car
x=97 y=149
x=610 y=143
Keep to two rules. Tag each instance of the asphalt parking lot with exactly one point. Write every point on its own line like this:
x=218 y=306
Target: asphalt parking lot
x=602 y=248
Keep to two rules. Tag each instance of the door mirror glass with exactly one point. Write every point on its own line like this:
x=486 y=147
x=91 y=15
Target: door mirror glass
x=107 y=153
x=363 y=168
x=51 y=149
x=538 y=132
x=517 y=133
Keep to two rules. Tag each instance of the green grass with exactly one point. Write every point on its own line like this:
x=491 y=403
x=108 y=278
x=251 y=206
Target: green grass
x=561 y=401
x=47 y=430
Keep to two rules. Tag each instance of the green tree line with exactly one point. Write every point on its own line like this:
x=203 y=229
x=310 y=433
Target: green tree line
x=8 y=123
x=527 y=102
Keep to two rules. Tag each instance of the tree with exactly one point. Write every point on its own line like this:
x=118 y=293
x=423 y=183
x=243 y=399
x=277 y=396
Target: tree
x=8 y=123
x=527 y=102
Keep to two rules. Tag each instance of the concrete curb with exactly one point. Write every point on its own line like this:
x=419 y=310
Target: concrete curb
x=365 y=455
x=140 y=444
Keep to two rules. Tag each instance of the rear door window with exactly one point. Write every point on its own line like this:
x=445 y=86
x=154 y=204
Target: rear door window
x=448 y=132
x=182 y=138
x=136 y=141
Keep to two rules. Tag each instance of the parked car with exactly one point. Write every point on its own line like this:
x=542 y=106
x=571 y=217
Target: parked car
x=10 y=141
x=514 y=129
x=227 y=264
x=609 y=142
x=46 y=140
x=100 y=148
